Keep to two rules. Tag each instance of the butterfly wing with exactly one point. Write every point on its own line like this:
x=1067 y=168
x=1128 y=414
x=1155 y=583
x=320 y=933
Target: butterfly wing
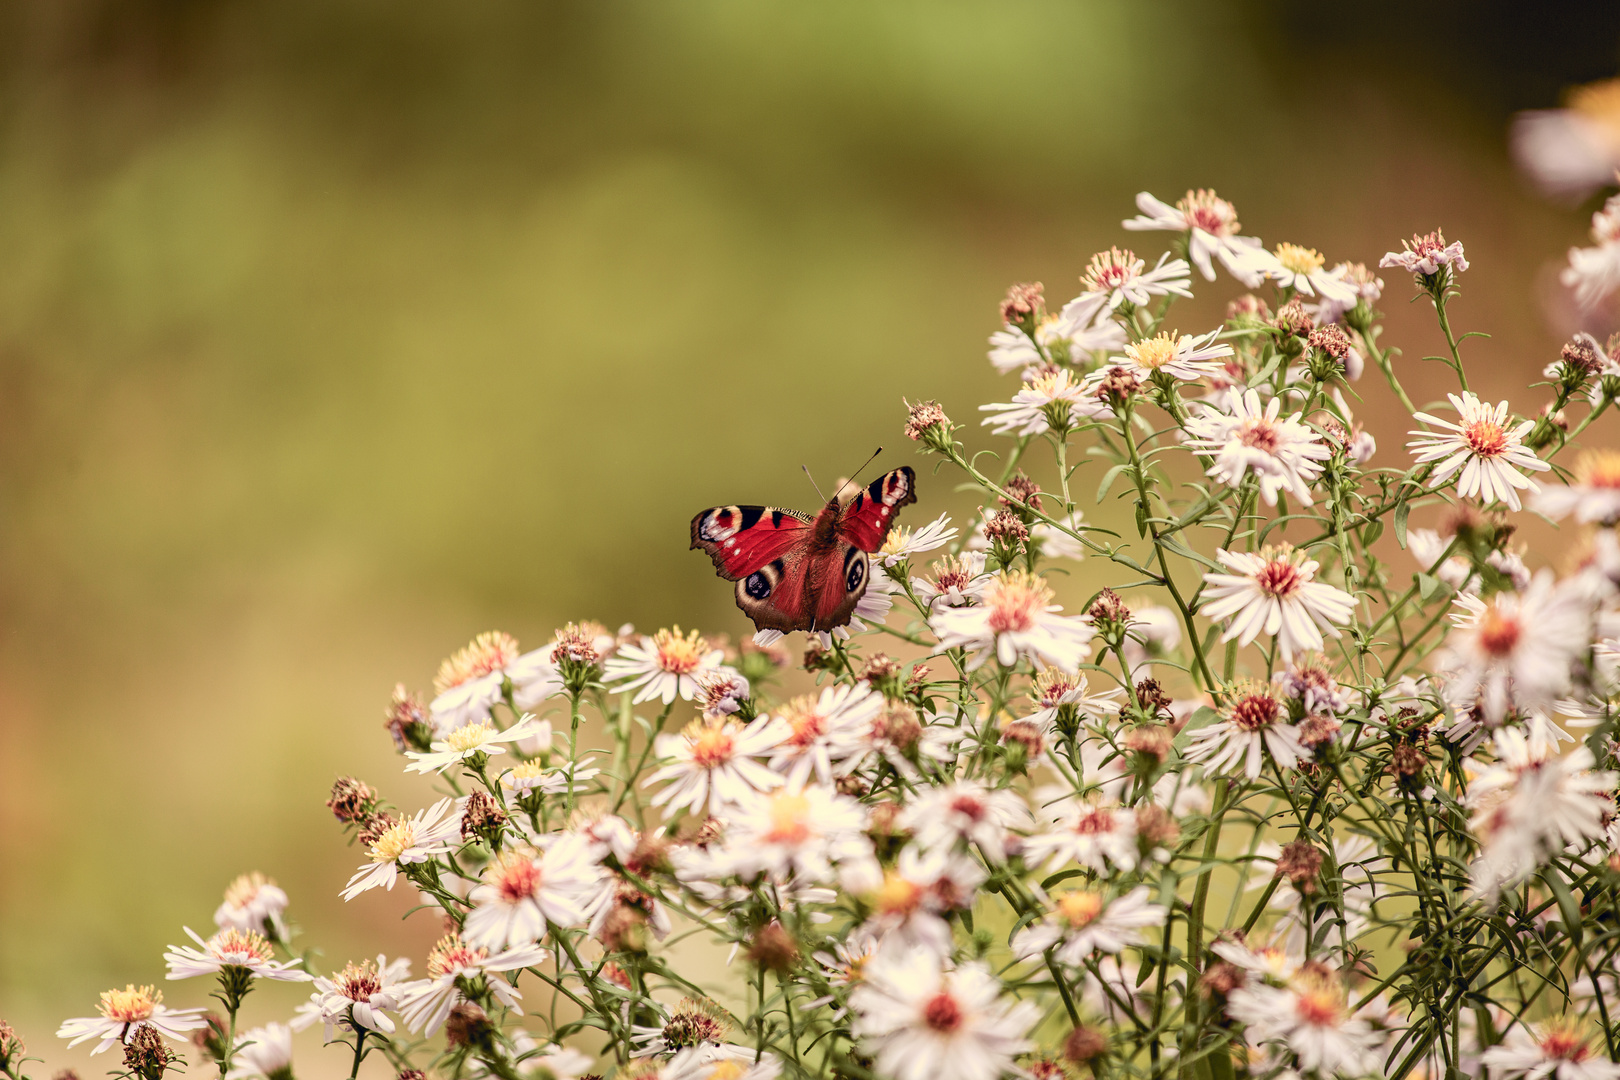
x=741 y=539
x=866 y=518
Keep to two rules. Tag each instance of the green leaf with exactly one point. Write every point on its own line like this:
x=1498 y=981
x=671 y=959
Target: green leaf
x=1401 y=510
x=1108 y=479
x=1371 y=532
x=1568 y=910
x=1141 y=519
x=1427 y=584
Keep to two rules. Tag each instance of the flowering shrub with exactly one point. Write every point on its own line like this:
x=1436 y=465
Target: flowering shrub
x=1308 y=791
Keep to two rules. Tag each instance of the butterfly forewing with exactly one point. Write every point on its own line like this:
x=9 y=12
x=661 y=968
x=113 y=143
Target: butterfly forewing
x=867 y=518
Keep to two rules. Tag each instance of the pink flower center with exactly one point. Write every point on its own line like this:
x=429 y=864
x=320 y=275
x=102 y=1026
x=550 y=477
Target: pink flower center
x=452 y=955
x=1564 y=1043
x=1486 y=438
x=238 y=947
x=1260 y=434
x=1108 y=270
x=358 y=982
x=1318 y=1007
x=1252 y=712
x=1015 y=602
x=712 y=744
x=679 y=654
x=488 y=652
x=1204 y=210
x=942 y=1013
x=969 y=806
x=1499 y=632
x=1094 y=822
x=1279 y=578
x=516 y=878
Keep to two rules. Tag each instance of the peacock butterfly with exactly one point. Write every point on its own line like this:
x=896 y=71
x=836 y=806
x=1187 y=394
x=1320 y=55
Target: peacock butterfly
x=795 y=572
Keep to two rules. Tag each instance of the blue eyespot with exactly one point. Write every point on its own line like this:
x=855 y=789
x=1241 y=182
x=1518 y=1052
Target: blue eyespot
x=757 y=586
x=855 y=575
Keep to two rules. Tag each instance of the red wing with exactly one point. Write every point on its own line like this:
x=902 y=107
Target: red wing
x=806 y=589
x=866 y=520
x=742 y=539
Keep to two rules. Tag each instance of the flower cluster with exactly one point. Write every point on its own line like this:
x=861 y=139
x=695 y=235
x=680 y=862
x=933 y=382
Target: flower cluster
x=1296 y=795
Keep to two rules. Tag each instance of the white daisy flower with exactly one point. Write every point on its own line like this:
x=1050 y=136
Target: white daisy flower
x=470 y=682
x=1057 y=397
x=1212 y=230
x=1528 y=805
x=1486 y=452
x=1012 y=350
x=1014 y=620
x=922 y=1020
x=124 y=1010
x=711 y=763
x=1089 y=832
x=431 y=832
x=1558 y=1049
x=1427 y=255
x=965 y=812
x=522 y=891
x=1054 y=690
x=1361 y=283
x=898 y=736
x=427 y=1004
x=1517 y=648
x=664 y=666
x=1300 y=269
x=355 y=998
x=546 y=771
x=796 y=832
x=468 y=741
x=263 y=1052
x=253 y=902
x=1570 y=153
x=1594 y=498
x=1271 y=961
x=1282 y=453
x=908 y=902
x=1274 y=592
x=231 y=948
x=1312 y=1019
x=954 y=581
x=902 y=543
x=1252 y=724
x=1593 y=273
x=1182 y=356
x=1115 y=277
x=701 y=1063
x=818 y=729
x=1057 y=543
x=1083 y=922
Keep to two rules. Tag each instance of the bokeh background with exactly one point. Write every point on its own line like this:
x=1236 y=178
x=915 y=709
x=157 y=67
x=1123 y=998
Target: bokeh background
x=333 y=332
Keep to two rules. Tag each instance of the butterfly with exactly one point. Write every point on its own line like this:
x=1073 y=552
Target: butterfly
x=795 y=572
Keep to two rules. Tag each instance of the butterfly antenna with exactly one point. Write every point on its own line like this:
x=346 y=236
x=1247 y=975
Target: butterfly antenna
x=857 y=472
x=813 y=483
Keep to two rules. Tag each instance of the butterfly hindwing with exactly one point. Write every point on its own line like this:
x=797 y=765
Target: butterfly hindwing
x=742 y=539
x=867 y=518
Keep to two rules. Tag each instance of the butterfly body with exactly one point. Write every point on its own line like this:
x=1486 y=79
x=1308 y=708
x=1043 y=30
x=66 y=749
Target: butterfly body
x=795 y=572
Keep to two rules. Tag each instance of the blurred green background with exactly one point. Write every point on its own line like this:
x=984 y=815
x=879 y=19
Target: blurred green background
x=332 y=333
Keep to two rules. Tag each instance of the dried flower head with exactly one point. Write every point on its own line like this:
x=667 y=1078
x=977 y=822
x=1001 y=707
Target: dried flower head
x=1292 y=318
x=407 y=720
x=1331 y=339
x=481 y=817
x=1084 y=1045
x=1300 y=862
x=352 y=800
x=1023 y=493
x=928 y=423
x=576 y=644
x=146 y=1054
x=774 y=948
x=1117 y=386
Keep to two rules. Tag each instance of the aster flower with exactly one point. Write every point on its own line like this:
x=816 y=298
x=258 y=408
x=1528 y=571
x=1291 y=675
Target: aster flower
x=965 y=812
x=1269 y=960
x=471 y=681
x=1360 y=283
x=1529 y=804
x=1300 y=269
x=954 y=581
x=663 y=666
x=1427 y=255
x=922 y=1020
x=253 y=902
x=231 y=948
x=1594 y=498
x=1067 y=337
x=1594 y=272
x=900 y=737
x=1486 y=452
x=1516 y=648
x=1309 y=681
x=1116 y=277
x=480 y=739
x=711 y=763
x=692 y=1024
x=902 y=542
x=431 y=832
x=121 y=1011
x=1058 y=543
x=1179 y=355
x=1083 y=922
x=1274 y=592
x=355 y=998
x=426 y=1005
x=1212 y=229
x=1283 y=454
x=796 y=831
x=1055 y=690
x=1310 y=1018
x=721 y=692
x=1557 y=1049
x=523 y=890
x=817 y=730
x=908 y=902
x=1252 y=724
x=1090 y=832
x=1571 y=152
x=263 y=1052
x=1015 y=620
x=698 y=1063
x=1051 y=398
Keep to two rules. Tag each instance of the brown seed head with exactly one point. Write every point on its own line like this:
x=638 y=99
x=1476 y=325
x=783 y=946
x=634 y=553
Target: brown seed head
x=481 y=816
x=145 y=1053
x=1085 y=1044
x=351 y=800
x=1023 y=492
x=404 y=717
x=774 y=949
x=1008 y=528
x=1117 y=387
x=1300 y=862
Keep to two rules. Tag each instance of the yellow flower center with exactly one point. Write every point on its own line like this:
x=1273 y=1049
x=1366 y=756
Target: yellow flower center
x=897 y=896
x=469 y=736
x=130 y=1005
x=1299 y=260
x=805 y=721
x=236 y=942
x=528 y=770
x=1599 y=468
x=789 y=815
x=1079 y=908
x=243 y=891
x=489 y=651
x=1600 y=102
x=1015 y=601
x=1499 y=631
x=713 y=742
x=452 y=954
x=679 y=654
x=394 y=842
x=1485 y=438
x=1155 y=352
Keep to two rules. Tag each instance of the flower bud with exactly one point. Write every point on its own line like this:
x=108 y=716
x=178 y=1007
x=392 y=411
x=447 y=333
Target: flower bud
x=145 y=1053
x=930 y=426
x=774 y=949
x=1300 y=862
x=352 y=800
x=882 y=673
x=1025 y=495
x=1024 y=307
x=1109 y=616
x=1085 y=1045
x=11 y=1046
x=468 y=1025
